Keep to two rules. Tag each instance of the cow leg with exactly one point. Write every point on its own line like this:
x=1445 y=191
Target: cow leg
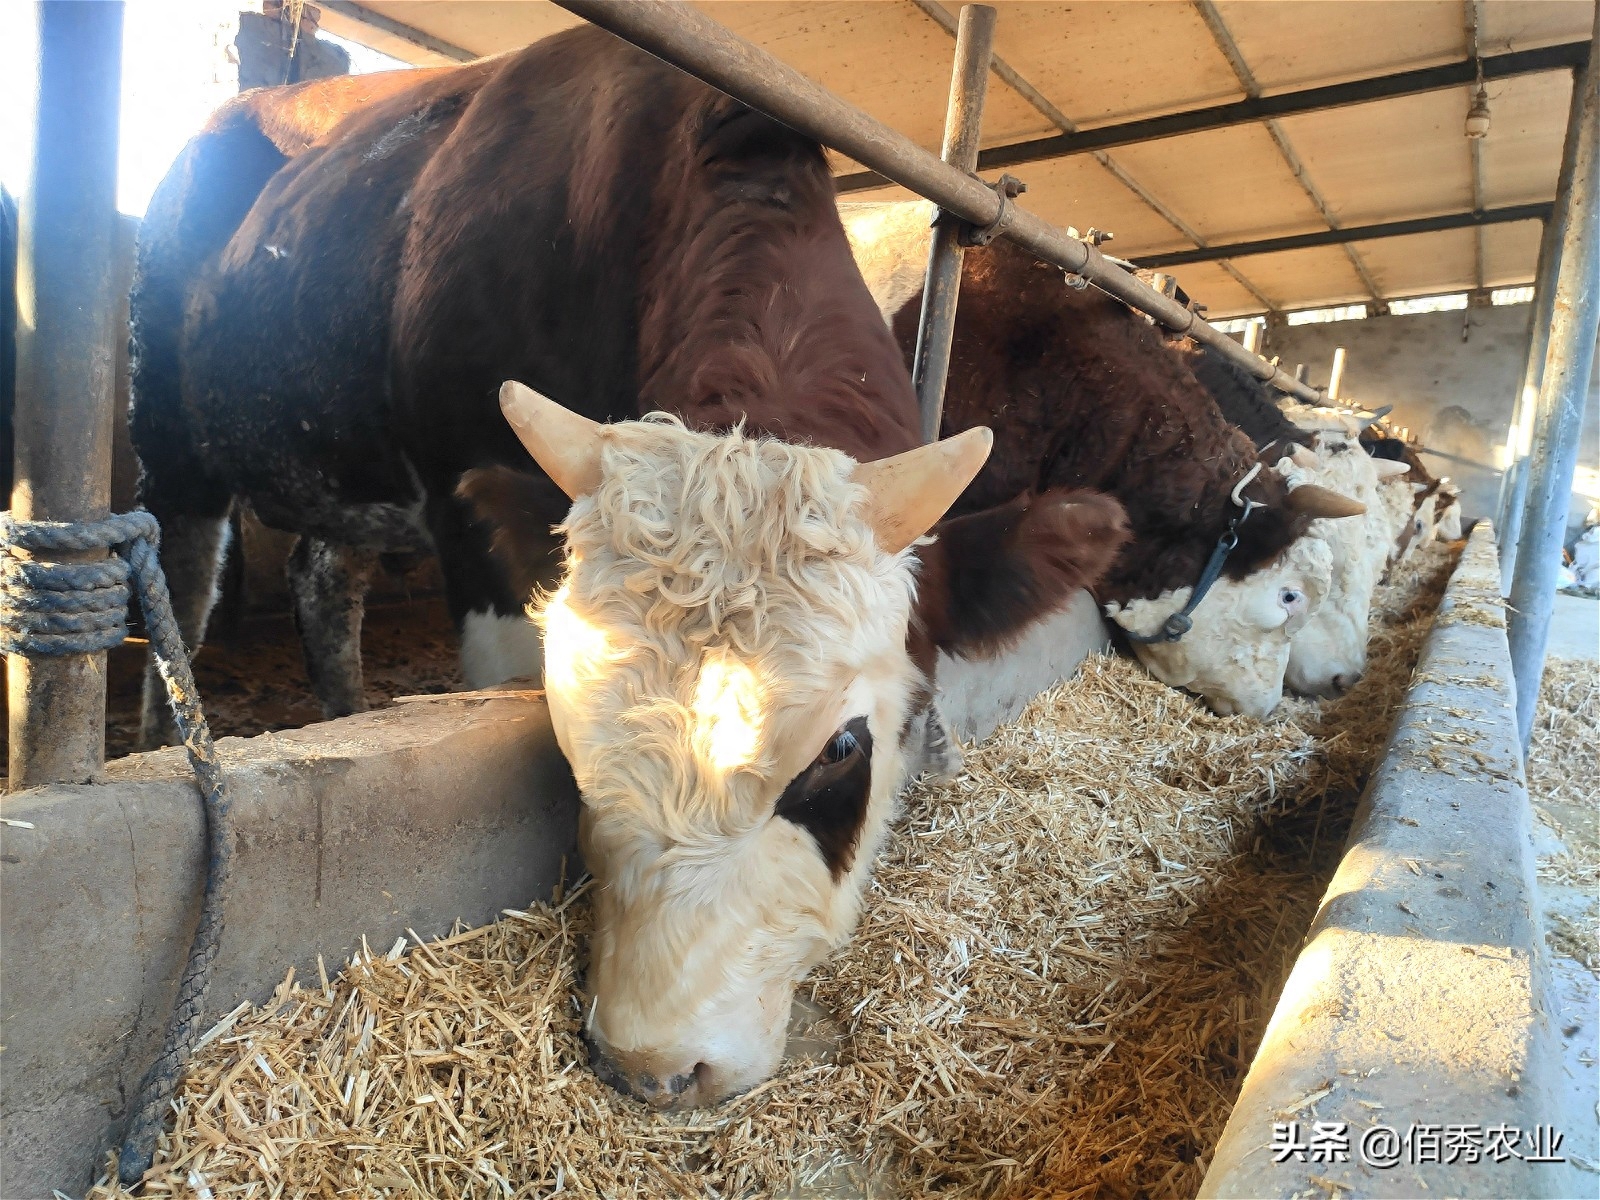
x=328 y=592
x=933 y=750
x=498 y=641
x=191 y=554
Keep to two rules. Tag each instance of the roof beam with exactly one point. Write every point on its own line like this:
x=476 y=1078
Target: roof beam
x=1352 y=233
x=1564 y=55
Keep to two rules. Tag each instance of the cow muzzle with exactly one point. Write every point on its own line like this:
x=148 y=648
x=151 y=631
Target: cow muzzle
x=655 y=1079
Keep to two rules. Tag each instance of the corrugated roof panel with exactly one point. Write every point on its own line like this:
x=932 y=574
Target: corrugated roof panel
x=890 y=60
x=1226 y=183
x=1527 y=125
x=1304 y=278
x=481 y=26
x=1406 y=157
x=1101 y=62
x=1323 y=41
x=1511 y=253
x=1422 y=264
x=1520 y=24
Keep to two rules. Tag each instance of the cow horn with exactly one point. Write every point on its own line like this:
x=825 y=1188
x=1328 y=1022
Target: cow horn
x=909 y=492
x=565 y=444
x=1317 y=501
x=1389 y=468
x=1376 y=416
x=1305 y=457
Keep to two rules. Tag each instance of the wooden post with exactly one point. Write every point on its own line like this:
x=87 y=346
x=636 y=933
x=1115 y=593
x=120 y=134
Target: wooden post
x=66 y=361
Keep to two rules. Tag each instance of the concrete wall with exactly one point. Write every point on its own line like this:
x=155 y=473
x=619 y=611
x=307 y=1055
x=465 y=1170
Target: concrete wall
x=1451 y=376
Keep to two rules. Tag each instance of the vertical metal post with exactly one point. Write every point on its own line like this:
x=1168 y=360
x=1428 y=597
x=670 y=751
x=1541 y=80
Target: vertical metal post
x=1569 y=361
x=66 y=360
x=963 y=124
x=1514 y=483
x=1252 y=336
x=1336 y=375
x=1300 y=372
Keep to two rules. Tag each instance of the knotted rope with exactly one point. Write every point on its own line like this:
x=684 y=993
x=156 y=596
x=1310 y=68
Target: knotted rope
x=52 y=608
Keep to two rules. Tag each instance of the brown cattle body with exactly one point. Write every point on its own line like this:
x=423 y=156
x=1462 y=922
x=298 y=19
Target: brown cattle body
x=323 y=336
x=1084 y=393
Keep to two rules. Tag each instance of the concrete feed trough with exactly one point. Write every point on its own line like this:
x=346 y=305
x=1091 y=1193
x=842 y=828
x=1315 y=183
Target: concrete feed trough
x=460 y=807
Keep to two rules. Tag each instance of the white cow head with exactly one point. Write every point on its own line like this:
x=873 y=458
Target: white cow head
x=1236 y=652
x=1329 y=653
x=727 y=672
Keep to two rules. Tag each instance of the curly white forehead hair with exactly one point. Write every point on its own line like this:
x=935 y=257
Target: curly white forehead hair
x=713 y=580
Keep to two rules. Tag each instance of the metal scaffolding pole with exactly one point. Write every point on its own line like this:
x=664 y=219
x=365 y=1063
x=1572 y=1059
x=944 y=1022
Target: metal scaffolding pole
x=1508 y=507
x=1569 y=362
x=1514 y=483
x=963 y=125
x=65 y=361
x=693 y=42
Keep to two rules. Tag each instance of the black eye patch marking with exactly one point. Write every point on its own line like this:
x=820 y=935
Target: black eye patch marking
x=829 y=798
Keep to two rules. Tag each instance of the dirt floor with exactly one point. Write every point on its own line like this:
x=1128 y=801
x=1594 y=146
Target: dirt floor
x=252 y=679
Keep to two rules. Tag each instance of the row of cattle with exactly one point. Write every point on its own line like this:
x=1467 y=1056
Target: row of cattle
x=744 y=565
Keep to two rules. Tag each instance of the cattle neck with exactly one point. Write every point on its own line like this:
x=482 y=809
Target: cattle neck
x=751 y=307
x=1182 y=621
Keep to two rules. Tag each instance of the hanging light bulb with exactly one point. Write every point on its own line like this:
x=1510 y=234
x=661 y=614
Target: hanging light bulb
x=1478 y=114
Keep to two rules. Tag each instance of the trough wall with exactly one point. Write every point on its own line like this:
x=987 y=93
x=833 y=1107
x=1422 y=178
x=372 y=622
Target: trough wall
x=406 y=818
x=1420 y=996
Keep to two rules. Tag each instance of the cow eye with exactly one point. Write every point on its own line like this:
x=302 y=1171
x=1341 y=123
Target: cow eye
x=1289 y=597
x=840 y=747
x=829 y=798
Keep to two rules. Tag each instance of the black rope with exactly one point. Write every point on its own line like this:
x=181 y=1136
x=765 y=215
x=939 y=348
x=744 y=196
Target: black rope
x=1180 y=622
x=53 y=608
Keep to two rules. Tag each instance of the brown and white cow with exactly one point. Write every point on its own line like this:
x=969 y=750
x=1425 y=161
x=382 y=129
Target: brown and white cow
x=1082 y=392
x=1315 y=445
x=742 y=611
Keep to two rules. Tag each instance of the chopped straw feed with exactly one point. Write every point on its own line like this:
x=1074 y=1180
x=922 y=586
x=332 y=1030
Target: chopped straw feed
x=1565 y=791
x=1065 y=962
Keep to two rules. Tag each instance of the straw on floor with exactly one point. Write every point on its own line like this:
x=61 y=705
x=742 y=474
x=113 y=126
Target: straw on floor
x=1566 y=796
x=1066 y=961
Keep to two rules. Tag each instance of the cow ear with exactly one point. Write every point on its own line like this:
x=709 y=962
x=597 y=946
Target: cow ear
x=907 y=493
x=565 y=444
x=520 y=509
x=990 y=575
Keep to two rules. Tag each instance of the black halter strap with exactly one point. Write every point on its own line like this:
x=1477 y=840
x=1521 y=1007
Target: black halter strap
x=1179 y=623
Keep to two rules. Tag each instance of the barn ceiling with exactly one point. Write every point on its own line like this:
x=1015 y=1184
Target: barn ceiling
x=1097 y=63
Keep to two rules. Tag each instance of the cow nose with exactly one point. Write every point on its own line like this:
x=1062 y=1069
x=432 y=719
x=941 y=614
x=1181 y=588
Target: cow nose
x=655 y=1089
x=1344 y=681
